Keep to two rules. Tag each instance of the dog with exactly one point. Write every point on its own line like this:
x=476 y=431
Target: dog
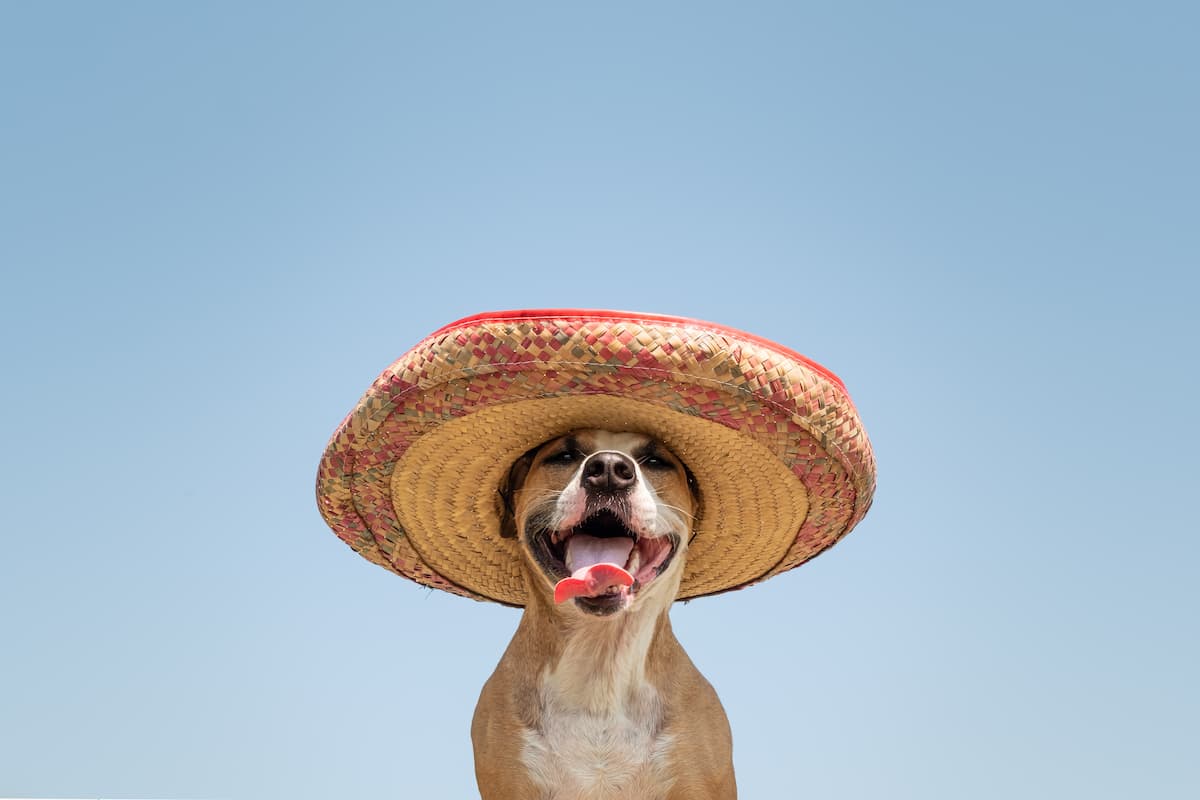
x=594 y=697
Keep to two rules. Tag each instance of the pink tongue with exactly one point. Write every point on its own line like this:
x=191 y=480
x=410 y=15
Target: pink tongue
x=595 y=566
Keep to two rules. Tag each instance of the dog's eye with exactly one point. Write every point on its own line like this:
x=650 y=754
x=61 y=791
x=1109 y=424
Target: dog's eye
x=564 y=457
x=655 y=462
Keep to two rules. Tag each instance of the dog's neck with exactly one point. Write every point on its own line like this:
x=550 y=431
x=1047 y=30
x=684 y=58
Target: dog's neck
x=599 y=664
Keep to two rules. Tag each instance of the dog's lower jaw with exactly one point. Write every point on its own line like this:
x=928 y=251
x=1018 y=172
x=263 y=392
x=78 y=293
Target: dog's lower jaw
x=600 y=707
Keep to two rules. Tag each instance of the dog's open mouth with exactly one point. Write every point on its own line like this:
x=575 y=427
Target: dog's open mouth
x=600 y=560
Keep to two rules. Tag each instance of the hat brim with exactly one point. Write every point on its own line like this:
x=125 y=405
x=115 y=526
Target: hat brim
x=410 y=479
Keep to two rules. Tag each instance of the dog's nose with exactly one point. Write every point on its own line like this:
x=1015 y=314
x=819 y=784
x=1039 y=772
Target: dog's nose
x=609 y=472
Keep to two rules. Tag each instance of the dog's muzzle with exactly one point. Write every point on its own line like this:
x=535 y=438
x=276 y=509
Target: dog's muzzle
x=611 y=551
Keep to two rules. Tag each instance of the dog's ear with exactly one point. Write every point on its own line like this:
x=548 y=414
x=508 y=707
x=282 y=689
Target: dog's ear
x=506 y=494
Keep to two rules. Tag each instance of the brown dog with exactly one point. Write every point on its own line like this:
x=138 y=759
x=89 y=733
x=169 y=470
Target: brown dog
x=594 y=697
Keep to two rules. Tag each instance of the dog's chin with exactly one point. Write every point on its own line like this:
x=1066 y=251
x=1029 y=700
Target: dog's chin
x=649 y=559
x=605 y=605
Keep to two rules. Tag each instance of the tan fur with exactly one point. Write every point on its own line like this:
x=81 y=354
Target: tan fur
x=585 y=707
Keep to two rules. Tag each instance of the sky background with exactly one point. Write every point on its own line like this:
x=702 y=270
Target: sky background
x=219 y=222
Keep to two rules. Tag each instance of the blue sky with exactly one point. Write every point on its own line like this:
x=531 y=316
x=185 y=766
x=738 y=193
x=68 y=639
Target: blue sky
x=219 y=222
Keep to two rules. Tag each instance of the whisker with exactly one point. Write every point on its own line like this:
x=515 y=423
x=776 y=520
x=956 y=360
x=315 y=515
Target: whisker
x=690 y=516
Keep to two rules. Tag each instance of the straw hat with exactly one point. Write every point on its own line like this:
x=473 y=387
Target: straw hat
x=410 y=477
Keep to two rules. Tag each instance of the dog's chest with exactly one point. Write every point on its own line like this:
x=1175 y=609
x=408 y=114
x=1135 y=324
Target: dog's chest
x=587 y=755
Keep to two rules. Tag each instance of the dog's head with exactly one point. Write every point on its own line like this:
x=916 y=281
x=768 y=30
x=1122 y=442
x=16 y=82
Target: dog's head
x=592 y=497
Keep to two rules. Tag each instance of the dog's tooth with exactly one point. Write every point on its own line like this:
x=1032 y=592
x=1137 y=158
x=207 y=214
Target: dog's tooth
x=635 y=559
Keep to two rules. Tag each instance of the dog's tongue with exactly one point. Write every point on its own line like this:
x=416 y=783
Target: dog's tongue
x=595 y=566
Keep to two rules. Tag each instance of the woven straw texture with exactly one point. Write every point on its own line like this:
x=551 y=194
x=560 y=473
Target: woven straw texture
x=409 y=479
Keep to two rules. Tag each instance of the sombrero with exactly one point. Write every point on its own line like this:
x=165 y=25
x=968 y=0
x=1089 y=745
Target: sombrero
x=410 y=478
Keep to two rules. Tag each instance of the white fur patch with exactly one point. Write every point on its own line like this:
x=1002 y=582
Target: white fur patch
x=587 y=756
x=600 y=739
